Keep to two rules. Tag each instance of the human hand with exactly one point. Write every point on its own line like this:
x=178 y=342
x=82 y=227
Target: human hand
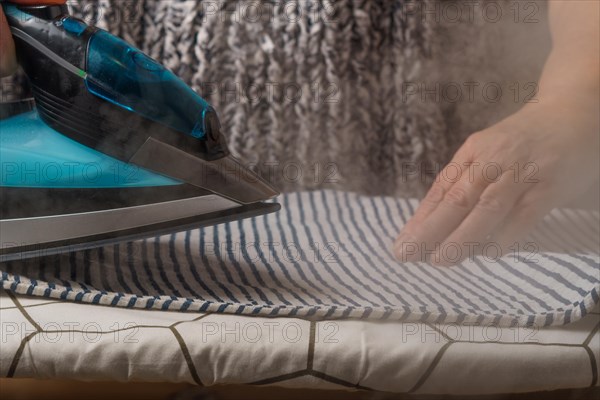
x=504 y=180
x=8 y=59
x=513 y=173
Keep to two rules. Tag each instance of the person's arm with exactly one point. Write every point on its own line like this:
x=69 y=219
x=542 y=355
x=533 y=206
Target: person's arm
x=548 y=153
x=8 y=61
x=573 y=65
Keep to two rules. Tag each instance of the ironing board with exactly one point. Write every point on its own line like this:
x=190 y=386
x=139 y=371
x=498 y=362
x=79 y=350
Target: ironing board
x=53 y=339
x=191 y=308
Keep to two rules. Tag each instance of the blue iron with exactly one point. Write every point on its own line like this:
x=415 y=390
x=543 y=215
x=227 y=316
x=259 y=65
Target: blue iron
x=114 y=146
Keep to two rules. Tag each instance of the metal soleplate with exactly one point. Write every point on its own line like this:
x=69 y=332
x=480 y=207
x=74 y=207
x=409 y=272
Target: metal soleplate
x=17 y=253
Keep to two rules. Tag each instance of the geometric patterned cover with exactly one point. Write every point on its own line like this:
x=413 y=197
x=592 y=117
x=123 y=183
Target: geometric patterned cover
x=53 y=339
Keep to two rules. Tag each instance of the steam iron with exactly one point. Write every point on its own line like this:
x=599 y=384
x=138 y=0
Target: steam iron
x=114 y=147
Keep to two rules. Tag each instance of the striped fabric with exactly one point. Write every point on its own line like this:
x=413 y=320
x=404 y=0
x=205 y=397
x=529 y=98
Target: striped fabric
x=327 y=255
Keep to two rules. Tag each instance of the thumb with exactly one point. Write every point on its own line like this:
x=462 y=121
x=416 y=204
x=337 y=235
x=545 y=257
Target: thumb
x=8 y=60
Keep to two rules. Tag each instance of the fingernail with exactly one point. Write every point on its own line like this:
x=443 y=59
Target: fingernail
x=405 y=248
x=398 y=251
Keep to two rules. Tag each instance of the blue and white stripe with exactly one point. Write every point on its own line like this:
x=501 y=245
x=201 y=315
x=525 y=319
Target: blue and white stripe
x=327 y=255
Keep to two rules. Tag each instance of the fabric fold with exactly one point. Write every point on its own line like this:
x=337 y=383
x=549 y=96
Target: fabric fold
x=327 y=255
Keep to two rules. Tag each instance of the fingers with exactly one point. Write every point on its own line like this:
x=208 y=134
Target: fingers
x=489 y=213
x=451 y=174
x=439 y=214
x=522 y=220
x=457 y=218
x=8 y=59
x=406 y=242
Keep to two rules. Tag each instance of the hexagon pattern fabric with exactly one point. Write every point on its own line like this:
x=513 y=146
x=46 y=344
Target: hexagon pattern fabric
x=55 y=339
x=326 y=256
